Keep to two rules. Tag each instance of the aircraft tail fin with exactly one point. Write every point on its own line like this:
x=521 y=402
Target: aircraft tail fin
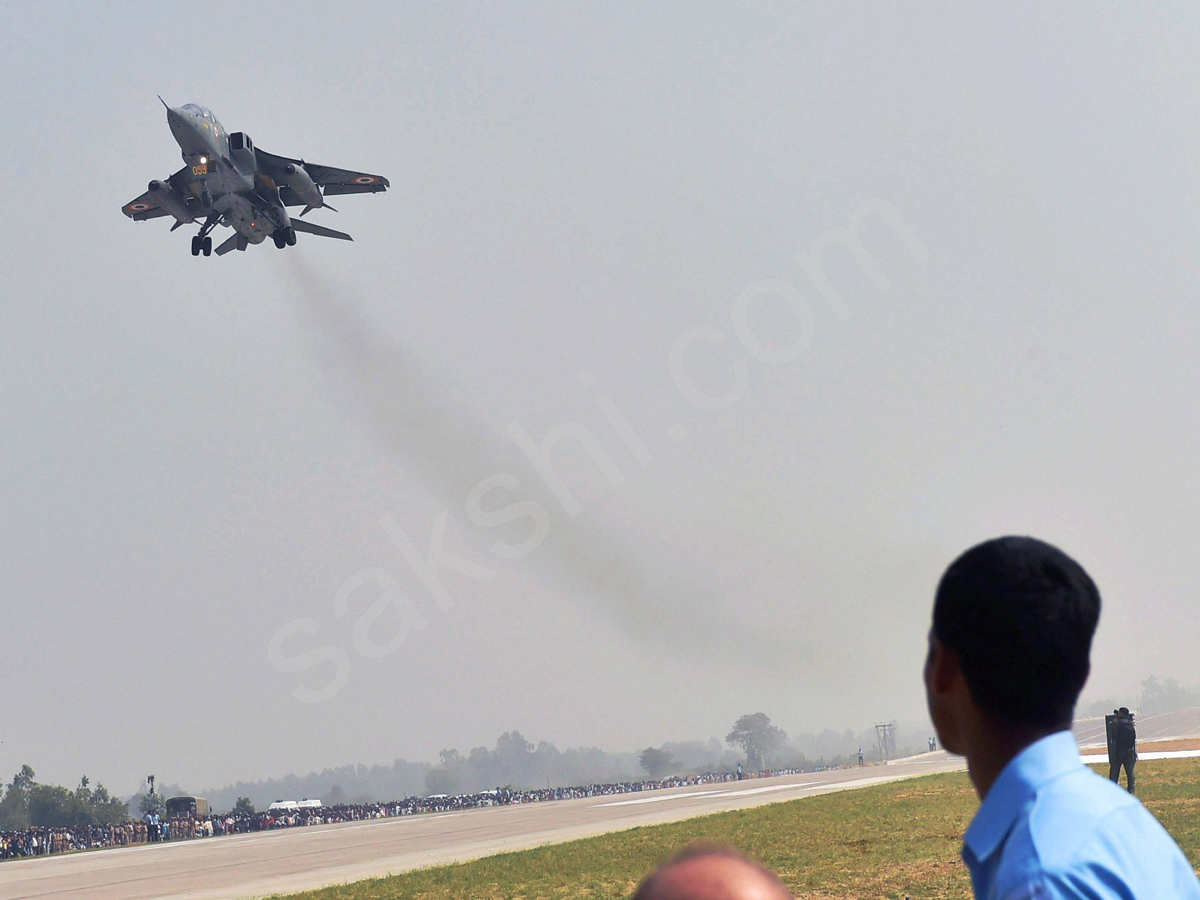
x=319 y=230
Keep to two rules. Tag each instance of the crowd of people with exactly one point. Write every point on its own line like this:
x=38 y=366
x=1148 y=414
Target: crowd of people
x=151 y=828
x=38 y=841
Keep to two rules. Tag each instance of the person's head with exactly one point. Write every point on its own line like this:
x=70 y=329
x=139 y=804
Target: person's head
x=1123 y=711
x=1013 y=620
x=711 y=872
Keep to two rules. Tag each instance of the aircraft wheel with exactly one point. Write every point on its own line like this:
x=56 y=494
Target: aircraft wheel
x=291 y=237
x=280 y=242
x=196 y=245
x=207 y=246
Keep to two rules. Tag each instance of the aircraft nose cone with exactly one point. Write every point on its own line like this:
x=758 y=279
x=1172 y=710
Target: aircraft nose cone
x=175 y=118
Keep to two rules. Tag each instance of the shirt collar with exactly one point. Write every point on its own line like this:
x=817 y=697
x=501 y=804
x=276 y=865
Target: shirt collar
x=1018 y=783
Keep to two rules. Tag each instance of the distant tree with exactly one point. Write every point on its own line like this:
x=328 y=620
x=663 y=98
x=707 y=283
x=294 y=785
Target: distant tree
x=481 y=768
x=1096 y=708
x=547 y=765
x=53 y=806
x=24 y=779
x=439 y=781
x=107 y=809
x=656 y=762
x=14 y=807
x=1166 y=696
x=757 y=737
x=514 y=760
x=243 y=807
x=14 y=813
x=152 y=804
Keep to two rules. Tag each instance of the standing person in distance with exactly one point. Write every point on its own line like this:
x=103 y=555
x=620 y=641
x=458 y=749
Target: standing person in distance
x=1013 y=620
x=1124 y=749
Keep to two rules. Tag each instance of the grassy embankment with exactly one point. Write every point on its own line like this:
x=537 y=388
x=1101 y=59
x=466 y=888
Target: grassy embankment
x=888 y=841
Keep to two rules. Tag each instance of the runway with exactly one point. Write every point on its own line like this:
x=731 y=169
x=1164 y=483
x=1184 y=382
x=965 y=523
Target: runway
x=1157 y=727
x=254 y=865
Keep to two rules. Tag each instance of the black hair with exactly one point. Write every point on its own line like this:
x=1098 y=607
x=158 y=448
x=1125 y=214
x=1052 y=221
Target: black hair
x=1020 y=615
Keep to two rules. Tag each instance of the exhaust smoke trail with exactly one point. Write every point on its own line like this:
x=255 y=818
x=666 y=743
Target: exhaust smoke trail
x=434 y=431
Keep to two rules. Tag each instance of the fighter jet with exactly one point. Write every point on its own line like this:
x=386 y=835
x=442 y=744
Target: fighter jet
x=226 y=180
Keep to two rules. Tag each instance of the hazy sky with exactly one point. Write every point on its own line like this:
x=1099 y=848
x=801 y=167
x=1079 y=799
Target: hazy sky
x=599 y=218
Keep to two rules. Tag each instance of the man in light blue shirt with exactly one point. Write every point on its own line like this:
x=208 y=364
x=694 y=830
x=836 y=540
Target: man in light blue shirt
x=1013 y=621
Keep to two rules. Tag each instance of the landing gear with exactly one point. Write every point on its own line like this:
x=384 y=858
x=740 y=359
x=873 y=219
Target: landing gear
x=291 y=236
x=202 y=243
x=284 y=237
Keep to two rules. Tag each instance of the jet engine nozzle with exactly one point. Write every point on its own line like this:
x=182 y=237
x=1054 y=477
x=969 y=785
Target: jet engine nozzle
x=167 y=198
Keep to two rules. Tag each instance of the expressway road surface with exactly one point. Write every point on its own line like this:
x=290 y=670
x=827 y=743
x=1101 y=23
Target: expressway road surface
x=254 y=865
x=1157 y=727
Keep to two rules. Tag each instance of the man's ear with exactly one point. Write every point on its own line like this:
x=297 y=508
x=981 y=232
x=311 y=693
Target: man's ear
x=944 y=670
x=947 y=694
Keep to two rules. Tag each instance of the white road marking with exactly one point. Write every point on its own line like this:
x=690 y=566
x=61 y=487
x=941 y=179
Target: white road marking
x=641 y=800
x=718 y=793
x=390 y=820
x=774 y=787
x=1155 y=754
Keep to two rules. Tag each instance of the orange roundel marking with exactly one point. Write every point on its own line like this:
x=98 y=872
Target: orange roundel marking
x=138 y=207
x=365 y=179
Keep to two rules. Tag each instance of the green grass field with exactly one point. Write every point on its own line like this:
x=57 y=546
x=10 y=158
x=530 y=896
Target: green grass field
x=889 y=841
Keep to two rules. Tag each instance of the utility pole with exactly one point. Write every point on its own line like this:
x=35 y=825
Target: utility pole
x=886 y=734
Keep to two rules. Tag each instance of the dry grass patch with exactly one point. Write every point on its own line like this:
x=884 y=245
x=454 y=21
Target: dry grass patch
x=1168 y=746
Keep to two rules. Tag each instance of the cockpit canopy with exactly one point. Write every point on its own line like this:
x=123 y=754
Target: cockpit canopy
x=201 y=111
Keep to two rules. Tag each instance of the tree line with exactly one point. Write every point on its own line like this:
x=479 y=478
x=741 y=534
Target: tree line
x=513 y=761
x=25 y=803
x=1155 y=697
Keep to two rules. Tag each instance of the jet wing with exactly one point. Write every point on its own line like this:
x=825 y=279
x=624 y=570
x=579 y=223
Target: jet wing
x=144 y=207
x=331 y=180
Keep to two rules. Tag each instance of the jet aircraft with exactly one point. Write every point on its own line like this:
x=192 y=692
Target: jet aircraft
x=226 y=180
